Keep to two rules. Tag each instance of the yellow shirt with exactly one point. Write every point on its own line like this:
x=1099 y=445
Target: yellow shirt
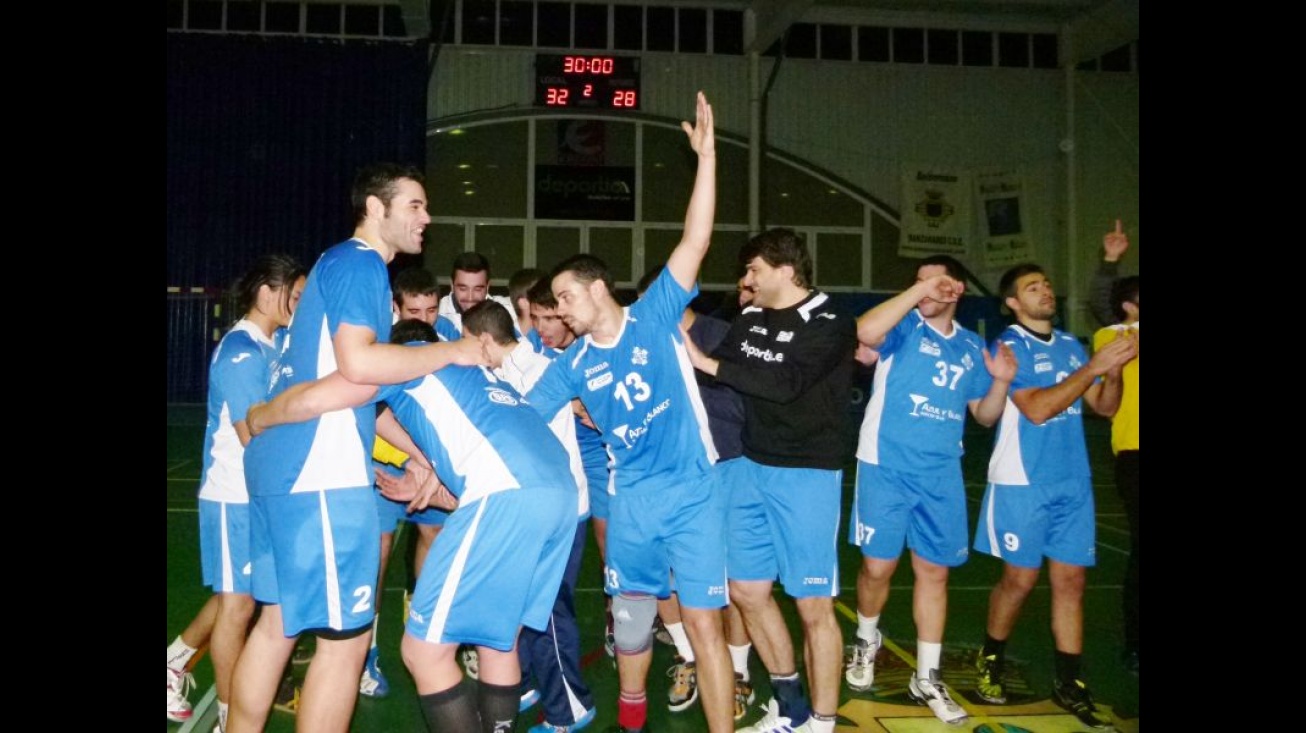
x=1124 y=426
x=386 y=453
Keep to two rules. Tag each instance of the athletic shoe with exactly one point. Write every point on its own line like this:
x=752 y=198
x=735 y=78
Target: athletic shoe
x=774 y=722
x=988 y=679
x=580 y=723
x=179 y=686
x=932 y=692
x=660 y=632
x=860 y=673
x=528 y=698
x=471 y=662
x=1076 y=699
x=684 y=685
x=373 y=682
x=744 y=696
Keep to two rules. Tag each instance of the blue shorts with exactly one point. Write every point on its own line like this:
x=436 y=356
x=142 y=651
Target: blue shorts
x=1023 y=524
x=316 y=555
x=224 y=546
x=784 y=523
x=677 y=528
x=927 y=513
x=496 y=566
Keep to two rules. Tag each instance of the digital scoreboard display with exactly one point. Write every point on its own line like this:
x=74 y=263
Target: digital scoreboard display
x=585 y=81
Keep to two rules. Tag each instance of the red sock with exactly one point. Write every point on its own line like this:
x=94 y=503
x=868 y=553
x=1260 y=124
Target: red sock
x=632 y=710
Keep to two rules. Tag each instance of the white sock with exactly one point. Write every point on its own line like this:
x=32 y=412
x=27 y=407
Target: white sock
x=927 y=657
x=866 y=627
x=739 y=658
x=222 y=716
x=681 y=639
x=820 y=725
x=179 y=654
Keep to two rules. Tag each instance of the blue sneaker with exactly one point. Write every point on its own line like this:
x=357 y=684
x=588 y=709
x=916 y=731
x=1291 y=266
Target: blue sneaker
x=528 y=698
x=580 y=723
x=373 y=682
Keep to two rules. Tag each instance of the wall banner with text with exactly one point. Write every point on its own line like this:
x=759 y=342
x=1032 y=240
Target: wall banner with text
x=936 y=213
x=1005 y=240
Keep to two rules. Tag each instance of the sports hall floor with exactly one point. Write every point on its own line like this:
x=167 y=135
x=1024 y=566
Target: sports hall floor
x=885 y=708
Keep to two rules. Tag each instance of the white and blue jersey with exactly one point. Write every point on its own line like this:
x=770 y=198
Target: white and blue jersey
x=640 y=392
x=349 y=284
x=1026 y=453
x=447 y=330
x=238 y=378
x=923 y=384
x=479 y=433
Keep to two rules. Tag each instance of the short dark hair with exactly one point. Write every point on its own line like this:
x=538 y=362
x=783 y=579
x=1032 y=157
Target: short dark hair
x=470 y=262
x=647 y=281
x=778 y=247
x=586 y=269
x=1007 y=285
x=414 y=281
x=489 y=316
x=541 y=294
x=521 y=282
x=382 y=181
x=1124 y=290
x=953 y=268
x=272 y=270
x=411 y=329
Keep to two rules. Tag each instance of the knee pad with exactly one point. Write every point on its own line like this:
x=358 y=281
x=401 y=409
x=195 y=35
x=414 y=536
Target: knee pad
x=632 y=622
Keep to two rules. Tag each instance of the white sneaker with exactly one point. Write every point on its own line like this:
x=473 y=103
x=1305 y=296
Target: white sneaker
x=774 y=722
x=471 y=662
x=179 y=686
x=933 y=693
x=860 y=672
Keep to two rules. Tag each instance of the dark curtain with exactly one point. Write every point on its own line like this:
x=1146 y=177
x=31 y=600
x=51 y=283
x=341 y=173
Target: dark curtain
x=264 y=137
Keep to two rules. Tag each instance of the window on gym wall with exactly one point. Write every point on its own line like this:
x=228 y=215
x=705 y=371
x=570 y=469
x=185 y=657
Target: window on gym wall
x=589 y=188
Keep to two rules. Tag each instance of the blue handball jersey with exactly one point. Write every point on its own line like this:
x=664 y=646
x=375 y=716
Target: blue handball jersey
x=1026 y=453
x=923 y=382
x=640 y=393
x=479 y=433
x=349 y=284
x=593 y=454
x=238 y=378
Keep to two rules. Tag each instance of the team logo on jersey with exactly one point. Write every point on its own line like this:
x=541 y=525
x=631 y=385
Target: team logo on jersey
x=1075 y=363
x=763 y=354
x=784 y=337
x=967 y=362
x=591 y=371
x=929 y=347
x=600 y=381
x=758 y=330
x=921 y=407
x=241 y=357
x=501 y=397
x=620 y=432
x=1043 y=367
x=639 y=357
x=916 y=402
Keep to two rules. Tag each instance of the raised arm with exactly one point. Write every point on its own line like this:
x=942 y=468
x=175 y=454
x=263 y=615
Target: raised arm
x=688 y=256
x=876 y=323
x=1002 y=367
x=308 y=400
x=1114 y=246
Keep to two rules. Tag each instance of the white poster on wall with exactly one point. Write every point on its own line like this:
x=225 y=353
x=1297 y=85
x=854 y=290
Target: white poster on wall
x=936 y=213
x=1005 y=239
